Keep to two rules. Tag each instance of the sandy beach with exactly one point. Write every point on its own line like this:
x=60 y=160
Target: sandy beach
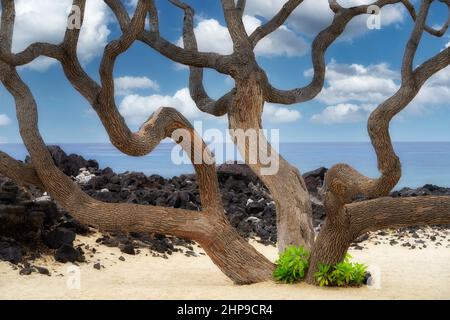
x=404 y=274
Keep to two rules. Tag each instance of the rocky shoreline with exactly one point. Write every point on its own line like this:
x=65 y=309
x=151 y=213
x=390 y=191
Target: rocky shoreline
x=32 y=225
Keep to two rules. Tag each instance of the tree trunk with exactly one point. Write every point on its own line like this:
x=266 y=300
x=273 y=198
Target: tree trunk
x=235 y=256
x=288 y=189
x=329 y=248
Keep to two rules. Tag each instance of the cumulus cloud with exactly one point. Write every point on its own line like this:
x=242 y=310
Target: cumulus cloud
x=344 y=113
x=4 y=120
x=282 y=42
x=214 y=37
x=46 y=21
x=126 y=85
x=312 y=16
x=136 y=108
x=352 y=91
x=435 y=93
x=277 y=114
x=357 y=83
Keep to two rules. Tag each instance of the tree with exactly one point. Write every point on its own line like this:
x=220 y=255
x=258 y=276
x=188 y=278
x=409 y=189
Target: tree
x=346 y=219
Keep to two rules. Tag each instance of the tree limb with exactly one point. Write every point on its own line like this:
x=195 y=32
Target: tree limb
x=348 y=184
x=319 y=47
x=273 y=24
x=196 y=88
x=21 y=173
x=233 y=18
x=383 y=213
x=435 y=32
x=153 y=39
x=240 y=5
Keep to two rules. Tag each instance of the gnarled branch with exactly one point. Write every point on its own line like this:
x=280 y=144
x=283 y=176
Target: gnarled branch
x=320 y=45
x=197 y=90
x=435 y=32
x=383 y=213
x=241 y=262
x=277 y=21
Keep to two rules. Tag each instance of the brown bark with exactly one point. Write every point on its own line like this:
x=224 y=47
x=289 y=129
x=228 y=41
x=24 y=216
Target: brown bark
x=347 y=220
x=288 y=189
x=242 y=263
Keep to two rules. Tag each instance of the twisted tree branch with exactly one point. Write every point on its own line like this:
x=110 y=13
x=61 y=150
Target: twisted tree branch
x=273 y=24
x=319 y=47
x=196 y=88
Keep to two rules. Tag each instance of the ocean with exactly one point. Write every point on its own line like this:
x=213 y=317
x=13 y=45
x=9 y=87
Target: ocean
x=423 y=162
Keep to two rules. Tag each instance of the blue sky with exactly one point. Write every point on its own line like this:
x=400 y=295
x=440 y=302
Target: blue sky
x=363 y=70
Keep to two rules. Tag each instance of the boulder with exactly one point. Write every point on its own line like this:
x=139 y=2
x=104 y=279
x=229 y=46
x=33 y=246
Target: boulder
x=314 y=179
x=10 y=251
x=67 y=253
x=58 y=237
x=70 y=164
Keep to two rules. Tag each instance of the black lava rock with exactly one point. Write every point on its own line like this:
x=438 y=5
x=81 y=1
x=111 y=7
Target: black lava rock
x=10 y=251
x=70 y=164
x=26 y=271
x=67 y=253
x=42 y=270
x=128 y=249
x=56 y=238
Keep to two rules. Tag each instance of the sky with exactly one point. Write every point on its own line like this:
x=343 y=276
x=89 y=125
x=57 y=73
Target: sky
x=362 y=71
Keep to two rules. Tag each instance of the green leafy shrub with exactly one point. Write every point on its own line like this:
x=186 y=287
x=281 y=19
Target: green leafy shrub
x=292 y=265
x=323 y=276
x=342 y=274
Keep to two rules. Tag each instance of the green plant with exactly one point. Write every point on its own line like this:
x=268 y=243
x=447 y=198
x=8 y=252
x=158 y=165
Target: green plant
x=323 y=276
x=342 y=274
x=359 y=273
x=292 y=265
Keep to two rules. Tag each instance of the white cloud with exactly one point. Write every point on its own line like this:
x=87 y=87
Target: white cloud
x=136 y=109
x=435 y=93
x=126 y=85
x=46 y=21
x=214 y=37
x=357 y=83
x=312 y=16
x=278 y=114
x=4 y=120
x=352 y=91
x=344 y=113
x=282 y=42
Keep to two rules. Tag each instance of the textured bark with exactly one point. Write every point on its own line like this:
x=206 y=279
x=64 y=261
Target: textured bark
x=347 y=220
x=243 y=264
x=23 y=174
x=288 y=189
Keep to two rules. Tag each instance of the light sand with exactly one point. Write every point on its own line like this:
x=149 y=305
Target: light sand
x=405 y=274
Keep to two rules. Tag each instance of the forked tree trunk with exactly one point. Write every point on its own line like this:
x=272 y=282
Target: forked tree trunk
x=229 y=251
x=333 y=240
x=288 y=189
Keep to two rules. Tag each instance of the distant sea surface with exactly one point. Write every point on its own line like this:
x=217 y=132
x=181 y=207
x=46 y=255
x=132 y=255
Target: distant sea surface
x=423 y=162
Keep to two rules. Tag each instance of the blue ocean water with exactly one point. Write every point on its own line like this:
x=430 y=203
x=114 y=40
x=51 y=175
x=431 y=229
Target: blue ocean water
x=423 y=162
